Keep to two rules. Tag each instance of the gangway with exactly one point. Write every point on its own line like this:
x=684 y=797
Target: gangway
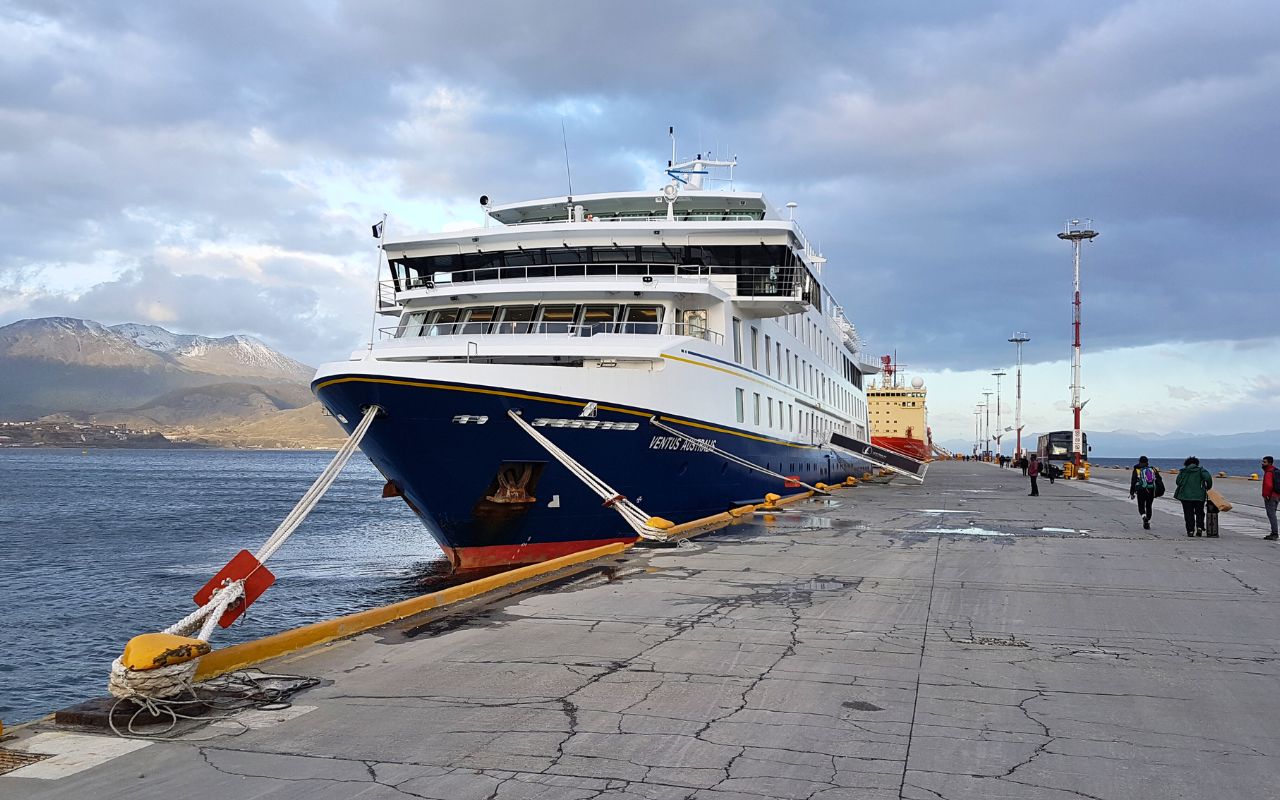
x=882 y=457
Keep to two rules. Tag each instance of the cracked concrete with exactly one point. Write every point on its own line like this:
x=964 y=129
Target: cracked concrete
x=834 y=650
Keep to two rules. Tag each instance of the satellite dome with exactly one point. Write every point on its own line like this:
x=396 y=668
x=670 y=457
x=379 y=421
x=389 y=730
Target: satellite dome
x=917 y=383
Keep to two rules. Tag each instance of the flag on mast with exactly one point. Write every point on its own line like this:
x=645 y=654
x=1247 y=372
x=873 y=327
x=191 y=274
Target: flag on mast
x=377 y=230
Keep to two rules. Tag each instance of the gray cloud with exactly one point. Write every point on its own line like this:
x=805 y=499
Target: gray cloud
x=933 y=155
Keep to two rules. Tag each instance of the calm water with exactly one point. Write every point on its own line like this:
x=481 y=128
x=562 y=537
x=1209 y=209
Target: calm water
x=96 y=548
x=1232 y=466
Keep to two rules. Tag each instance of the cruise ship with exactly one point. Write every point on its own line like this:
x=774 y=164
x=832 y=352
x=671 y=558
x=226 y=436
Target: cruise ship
x=680 y=346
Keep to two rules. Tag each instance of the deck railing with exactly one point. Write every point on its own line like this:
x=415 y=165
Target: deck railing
x=782 y=282
x=557 y=330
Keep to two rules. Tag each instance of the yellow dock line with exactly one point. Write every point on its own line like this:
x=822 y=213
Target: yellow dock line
x=248 y=653
x=255 y=652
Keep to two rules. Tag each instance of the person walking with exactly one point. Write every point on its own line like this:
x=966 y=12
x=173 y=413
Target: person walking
x=1033 y=471
x=1142 y=484
x=1270 y=493
x=1022 y=462
x=1194 y=482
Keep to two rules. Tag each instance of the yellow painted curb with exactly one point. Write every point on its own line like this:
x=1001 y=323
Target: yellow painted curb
x=793 y=498
x=258 y=650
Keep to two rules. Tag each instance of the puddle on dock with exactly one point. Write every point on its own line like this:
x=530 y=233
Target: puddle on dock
x=942 y=511
x=780 y=519
x=966 y=531
x=1064 y=530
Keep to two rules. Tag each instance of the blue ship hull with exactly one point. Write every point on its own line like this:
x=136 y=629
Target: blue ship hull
x=492 y=496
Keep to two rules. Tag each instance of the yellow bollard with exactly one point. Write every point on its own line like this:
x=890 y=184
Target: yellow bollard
x=1084 y=471
x=1068 y=470
x=1253 y=477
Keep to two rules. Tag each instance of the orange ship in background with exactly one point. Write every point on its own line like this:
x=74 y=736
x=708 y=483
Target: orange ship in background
x=897 y=414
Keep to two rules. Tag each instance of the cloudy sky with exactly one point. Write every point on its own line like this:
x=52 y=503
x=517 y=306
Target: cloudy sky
x=214 y=168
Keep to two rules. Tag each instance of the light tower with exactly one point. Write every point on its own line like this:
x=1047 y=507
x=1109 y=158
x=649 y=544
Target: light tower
x=998 y=374
x=1020 y=338
x=977 y=430
x=1076 y=233
x=986 y=438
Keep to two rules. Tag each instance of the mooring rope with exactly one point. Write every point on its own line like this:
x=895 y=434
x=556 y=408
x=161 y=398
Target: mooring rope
x=150 y=685
x=630 y=512
x=730 y=456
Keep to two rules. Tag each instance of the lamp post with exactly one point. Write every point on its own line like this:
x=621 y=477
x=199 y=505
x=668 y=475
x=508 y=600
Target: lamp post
x=999 y=429
x=986 y=438
x=977 y=430
x=1020 y=338
x=1076 y=234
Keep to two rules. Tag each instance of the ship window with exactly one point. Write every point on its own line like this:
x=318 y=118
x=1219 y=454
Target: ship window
x=441 y=323
x=755 y=348
x=739 y=400
x=478 y=319
x=514 y=319
x=756 y=411
x=770 y=412
x=568 y=255
x=598 y=319
x=555 y=319
x=768 y=357
x=737 y=340
x=642 y=319
x=412 y=325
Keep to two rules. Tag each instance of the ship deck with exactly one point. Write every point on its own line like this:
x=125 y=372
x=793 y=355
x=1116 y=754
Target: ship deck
x=951 y=640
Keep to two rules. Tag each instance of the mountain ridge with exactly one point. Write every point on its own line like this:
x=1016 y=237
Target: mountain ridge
x=213 y=390
x=1177 y=444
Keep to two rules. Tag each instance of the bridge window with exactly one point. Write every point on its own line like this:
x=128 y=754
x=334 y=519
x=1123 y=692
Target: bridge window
x=738 y=398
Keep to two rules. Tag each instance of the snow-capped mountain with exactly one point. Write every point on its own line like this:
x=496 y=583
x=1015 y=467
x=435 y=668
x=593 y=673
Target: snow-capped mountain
x=236 y=355
x=65 y=364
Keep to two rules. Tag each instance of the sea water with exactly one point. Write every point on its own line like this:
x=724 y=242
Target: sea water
x=99 y=545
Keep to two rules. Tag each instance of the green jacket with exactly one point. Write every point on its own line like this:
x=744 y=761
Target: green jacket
x=1193 y=482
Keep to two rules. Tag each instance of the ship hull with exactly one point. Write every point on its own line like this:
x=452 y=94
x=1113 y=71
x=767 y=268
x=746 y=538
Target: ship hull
x=492 y=496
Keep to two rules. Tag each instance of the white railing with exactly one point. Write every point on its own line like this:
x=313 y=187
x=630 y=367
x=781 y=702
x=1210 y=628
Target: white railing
x=660 y=216
x=549 y=330
x=781 y=282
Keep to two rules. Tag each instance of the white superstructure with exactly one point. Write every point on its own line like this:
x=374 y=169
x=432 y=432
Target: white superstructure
x=704 y=303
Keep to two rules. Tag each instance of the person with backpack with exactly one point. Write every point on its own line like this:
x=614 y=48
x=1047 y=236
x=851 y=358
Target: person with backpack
x=1033 y=471
x=1146 y=484
x=1194 y=483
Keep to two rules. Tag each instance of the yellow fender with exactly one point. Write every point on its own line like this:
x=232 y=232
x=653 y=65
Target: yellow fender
x=659 y=523
x=154 y=650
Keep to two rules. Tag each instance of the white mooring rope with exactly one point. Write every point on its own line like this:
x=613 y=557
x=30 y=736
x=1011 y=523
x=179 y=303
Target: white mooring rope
x=148 y=686
x=631 y=513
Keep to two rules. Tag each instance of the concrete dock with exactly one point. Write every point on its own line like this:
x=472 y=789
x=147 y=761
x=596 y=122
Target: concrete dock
x=946 y=641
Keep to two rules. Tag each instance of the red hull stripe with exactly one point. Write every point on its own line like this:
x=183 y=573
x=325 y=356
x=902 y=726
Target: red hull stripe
x=908 y=447
x=512 y=554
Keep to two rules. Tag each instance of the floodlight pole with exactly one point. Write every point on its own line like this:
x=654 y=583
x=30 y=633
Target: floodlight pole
x=999 y=430
x=986 y=439
x=1075 y=234
x=1019 y=338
